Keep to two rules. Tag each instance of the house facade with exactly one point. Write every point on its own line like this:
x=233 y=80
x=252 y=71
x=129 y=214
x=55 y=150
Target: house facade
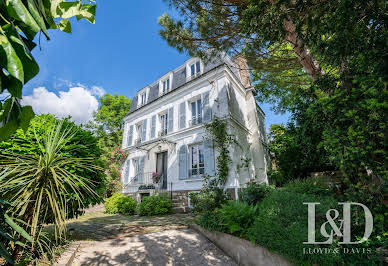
x=169 y=148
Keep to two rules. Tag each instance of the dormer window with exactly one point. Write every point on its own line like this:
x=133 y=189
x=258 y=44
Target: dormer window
x=143 y=98
x=195 y=68
x=166 y=86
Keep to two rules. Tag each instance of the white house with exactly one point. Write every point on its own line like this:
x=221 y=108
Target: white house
x=169 y=148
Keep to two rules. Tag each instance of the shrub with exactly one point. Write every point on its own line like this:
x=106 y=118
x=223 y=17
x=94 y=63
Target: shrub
x=281 y=226
x=314 y=186
x=209 y=200
x=254 y=192
x=119 y=203
x=238 y=217
x=155 y=205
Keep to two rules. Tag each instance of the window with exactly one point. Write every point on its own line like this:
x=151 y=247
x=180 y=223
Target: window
x=166 y=86
x=196 y=112
x=195 y=68
x=143 y=98
x=196 y=161
x=139 y=133
x=164 y=123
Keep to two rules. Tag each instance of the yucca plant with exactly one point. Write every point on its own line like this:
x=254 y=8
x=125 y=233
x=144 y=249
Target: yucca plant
x=41 y=186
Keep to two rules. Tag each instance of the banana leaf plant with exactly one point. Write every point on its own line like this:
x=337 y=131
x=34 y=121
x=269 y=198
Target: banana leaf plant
x=20 y=22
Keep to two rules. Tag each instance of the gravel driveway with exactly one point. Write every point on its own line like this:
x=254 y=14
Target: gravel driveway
x=171 y=247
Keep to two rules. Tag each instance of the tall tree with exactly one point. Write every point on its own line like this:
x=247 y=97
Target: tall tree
x=341 y=46
x=109 y=123
x=20 y=22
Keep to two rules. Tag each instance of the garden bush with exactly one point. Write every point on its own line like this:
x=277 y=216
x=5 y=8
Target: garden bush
x=314 y=186
x=155 y=205
x=254 y=192
x=119 y=203
x=208 y=200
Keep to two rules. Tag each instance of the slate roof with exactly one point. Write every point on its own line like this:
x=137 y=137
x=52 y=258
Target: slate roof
x=179 y=79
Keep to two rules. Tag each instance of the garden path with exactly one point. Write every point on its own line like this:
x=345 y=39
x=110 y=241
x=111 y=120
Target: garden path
x=106 y=239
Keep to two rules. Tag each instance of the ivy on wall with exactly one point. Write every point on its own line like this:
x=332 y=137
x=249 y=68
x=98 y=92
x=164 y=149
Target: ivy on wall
x=222 y=140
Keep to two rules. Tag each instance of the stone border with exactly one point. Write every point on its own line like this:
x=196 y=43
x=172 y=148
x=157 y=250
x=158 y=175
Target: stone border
x=68 y=256
x=240 y=250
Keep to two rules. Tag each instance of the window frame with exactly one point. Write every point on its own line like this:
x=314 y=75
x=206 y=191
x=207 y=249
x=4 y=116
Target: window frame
x=199 y=165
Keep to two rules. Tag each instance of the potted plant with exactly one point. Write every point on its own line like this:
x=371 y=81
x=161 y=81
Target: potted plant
x=156 y=177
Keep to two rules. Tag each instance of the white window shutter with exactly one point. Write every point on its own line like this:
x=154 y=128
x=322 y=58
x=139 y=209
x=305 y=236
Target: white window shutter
x=183 y=162
x=130 y=136
x=141 y=169
x=126 y=172
x=206 y=111
x=153 y=126
x=170 y=125
x=182 y=115
x=144 y=131
x=208 y=152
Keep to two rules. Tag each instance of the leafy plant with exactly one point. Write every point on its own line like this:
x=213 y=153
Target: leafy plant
x=238 y=217
x=20 y=22
x=314 y=186
x=118 y=203
x=44 y=184
x=254 y=192
x=208 y=200
x=8 y=228
x=155 y=205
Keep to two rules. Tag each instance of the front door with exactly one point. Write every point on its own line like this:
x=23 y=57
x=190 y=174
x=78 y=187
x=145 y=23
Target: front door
x=161 y=167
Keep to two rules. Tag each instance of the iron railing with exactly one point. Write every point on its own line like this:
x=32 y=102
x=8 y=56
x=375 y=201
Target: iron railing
x=145 y=181
x=195 y=121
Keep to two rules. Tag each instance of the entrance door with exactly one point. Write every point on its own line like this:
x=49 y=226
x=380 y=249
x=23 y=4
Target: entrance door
x=161 y=167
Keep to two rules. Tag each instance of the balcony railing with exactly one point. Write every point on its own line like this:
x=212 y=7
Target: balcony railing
x=138 y=141
x=195 y=121
x=162 y=132
x=144 y=181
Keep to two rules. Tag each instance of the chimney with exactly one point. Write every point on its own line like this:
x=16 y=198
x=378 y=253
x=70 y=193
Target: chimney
x=242 y=65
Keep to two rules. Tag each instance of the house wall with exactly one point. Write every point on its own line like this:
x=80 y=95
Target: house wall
x=227 y=100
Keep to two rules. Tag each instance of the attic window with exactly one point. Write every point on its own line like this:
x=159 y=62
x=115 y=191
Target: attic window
x=195 y=68
x=166 y=86
x=143 y=98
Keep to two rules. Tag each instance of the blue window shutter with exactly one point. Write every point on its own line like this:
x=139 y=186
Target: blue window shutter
x=208 y=152
x=144 y=131
x=141 y=169
x=170 y=125
x=183 y=162
x=206 y=111
x=130 y=136
x=153 y=126
x=182 y=115
x=126 y=172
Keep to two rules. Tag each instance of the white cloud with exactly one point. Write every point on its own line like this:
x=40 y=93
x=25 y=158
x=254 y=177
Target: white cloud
x=78 y=102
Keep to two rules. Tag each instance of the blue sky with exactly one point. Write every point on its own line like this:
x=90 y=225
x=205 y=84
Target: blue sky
x=119 y=54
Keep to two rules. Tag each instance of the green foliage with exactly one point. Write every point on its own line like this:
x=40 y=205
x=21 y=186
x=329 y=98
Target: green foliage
x=8 y=228
x=208 y=200
x=238 y=217
x=296 y=153
x=254 y=192
x=313 y=186
x=108 y=125
x=222 y=139
x=48 y=178
x=20 y=22
x=155 y=205
x=119 y=203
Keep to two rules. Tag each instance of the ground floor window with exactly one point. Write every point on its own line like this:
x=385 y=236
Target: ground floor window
x=196 y=161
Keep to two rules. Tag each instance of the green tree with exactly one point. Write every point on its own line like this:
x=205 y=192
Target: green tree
x=341 y=45
x=52 y=172
x=20 y=22
x=108 y=124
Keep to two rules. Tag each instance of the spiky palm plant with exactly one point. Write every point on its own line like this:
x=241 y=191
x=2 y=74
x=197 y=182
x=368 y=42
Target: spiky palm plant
x=42 y=185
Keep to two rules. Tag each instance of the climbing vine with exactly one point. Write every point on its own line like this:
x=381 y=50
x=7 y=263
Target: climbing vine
x=222 y=140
